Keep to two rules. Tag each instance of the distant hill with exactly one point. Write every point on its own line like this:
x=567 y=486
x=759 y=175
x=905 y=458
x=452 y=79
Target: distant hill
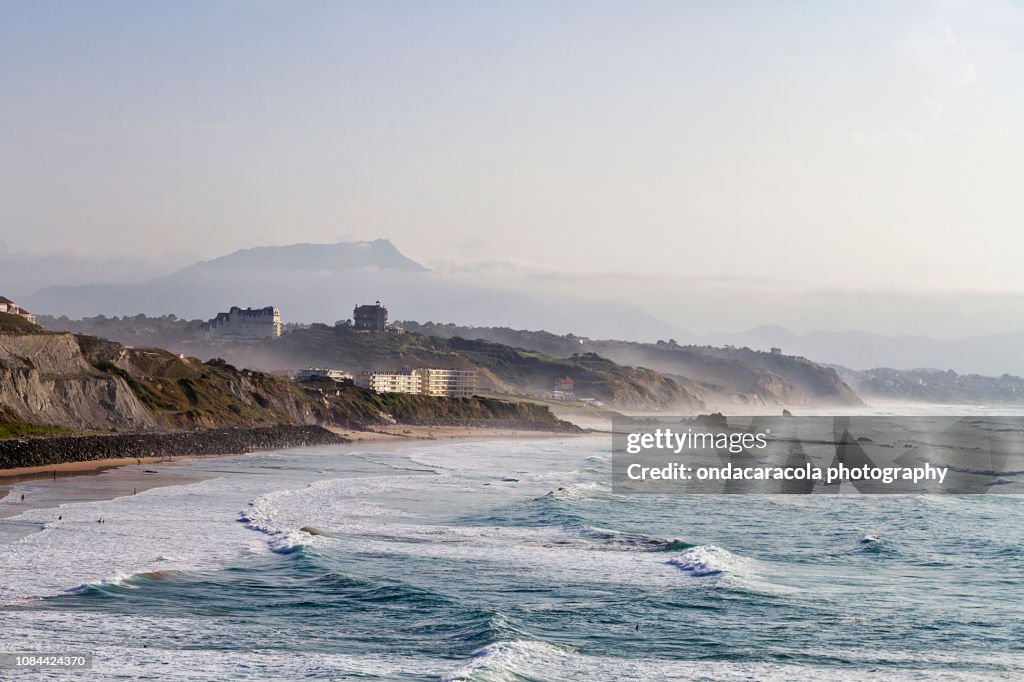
x=518 y=361
x=935 y=386
x=992 y=355
x=739 y=375
x=719 y=376
x=501 y=368
x=167 y=331
x=323 y=282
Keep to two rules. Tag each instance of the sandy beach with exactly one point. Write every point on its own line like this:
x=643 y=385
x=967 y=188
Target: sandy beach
x=384 y=434
x=116 y=477
x=6 y=475
x=405 y=432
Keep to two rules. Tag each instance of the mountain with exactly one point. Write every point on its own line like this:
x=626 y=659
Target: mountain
x=323 y=282
x=379 y=253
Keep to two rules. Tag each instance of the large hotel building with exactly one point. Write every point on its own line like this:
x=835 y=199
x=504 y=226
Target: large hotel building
x=452 y=383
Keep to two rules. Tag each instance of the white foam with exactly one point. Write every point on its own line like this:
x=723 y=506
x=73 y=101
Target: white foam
x=709 y=560
x=196 y=527
x=118 y=645
x=522 y=659
x=581 y=491
x=172 y=528
x=116 y=642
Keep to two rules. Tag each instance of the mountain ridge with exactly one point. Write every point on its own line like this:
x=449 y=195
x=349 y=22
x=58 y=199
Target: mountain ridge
x=379 y=253
x=291 y=279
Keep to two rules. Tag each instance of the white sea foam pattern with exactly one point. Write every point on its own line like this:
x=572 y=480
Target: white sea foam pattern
x=162 y=529
x=506 y=560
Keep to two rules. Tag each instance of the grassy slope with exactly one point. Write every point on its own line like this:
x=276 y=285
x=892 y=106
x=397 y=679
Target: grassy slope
x=17 y=324
x=360 y=403
x=705 y=368
x=502 y=367
x=11 y=427
x=23 y=429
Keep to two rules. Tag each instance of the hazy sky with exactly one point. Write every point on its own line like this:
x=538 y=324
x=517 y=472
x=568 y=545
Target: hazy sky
x=845 y=145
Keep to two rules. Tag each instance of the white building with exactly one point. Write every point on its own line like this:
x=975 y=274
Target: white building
x=243 y=325
x=11 y=308
x=322 y=372
x=453 y=383
x=392 y=382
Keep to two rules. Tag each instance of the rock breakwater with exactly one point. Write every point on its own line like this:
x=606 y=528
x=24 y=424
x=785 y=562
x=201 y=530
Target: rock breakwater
x=33 y=452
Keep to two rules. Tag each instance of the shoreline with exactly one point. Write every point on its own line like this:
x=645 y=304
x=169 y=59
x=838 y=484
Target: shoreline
x=34 y=455
x=401 y=432
x=90 y=465
x=345 y=436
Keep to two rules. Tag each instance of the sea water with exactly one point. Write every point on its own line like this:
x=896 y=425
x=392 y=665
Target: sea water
x=509 y=560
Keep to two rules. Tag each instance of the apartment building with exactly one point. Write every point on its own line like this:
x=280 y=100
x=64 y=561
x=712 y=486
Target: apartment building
x=453 y=383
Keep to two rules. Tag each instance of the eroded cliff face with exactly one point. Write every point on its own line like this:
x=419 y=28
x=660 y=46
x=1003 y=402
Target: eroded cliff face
x=45 y=379
x=187 y=393
x=84 y=383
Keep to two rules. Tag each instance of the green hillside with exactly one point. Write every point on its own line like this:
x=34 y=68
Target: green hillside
x=17 y=324
x=63 y=382
x=501 y=368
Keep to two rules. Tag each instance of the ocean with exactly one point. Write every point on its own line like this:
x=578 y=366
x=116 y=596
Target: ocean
x=504 y=560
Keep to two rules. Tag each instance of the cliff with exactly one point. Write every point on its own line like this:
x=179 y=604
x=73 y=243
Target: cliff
x=45 y=379
x=86 y=384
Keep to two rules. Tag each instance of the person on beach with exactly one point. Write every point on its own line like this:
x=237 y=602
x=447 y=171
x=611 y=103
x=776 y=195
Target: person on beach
x=23 y=498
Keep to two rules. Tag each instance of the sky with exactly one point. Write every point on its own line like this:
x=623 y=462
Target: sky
x=734 y=149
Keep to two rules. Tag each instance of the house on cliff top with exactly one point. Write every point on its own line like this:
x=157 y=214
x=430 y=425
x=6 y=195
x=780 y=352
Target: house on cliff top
x=11 y=308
